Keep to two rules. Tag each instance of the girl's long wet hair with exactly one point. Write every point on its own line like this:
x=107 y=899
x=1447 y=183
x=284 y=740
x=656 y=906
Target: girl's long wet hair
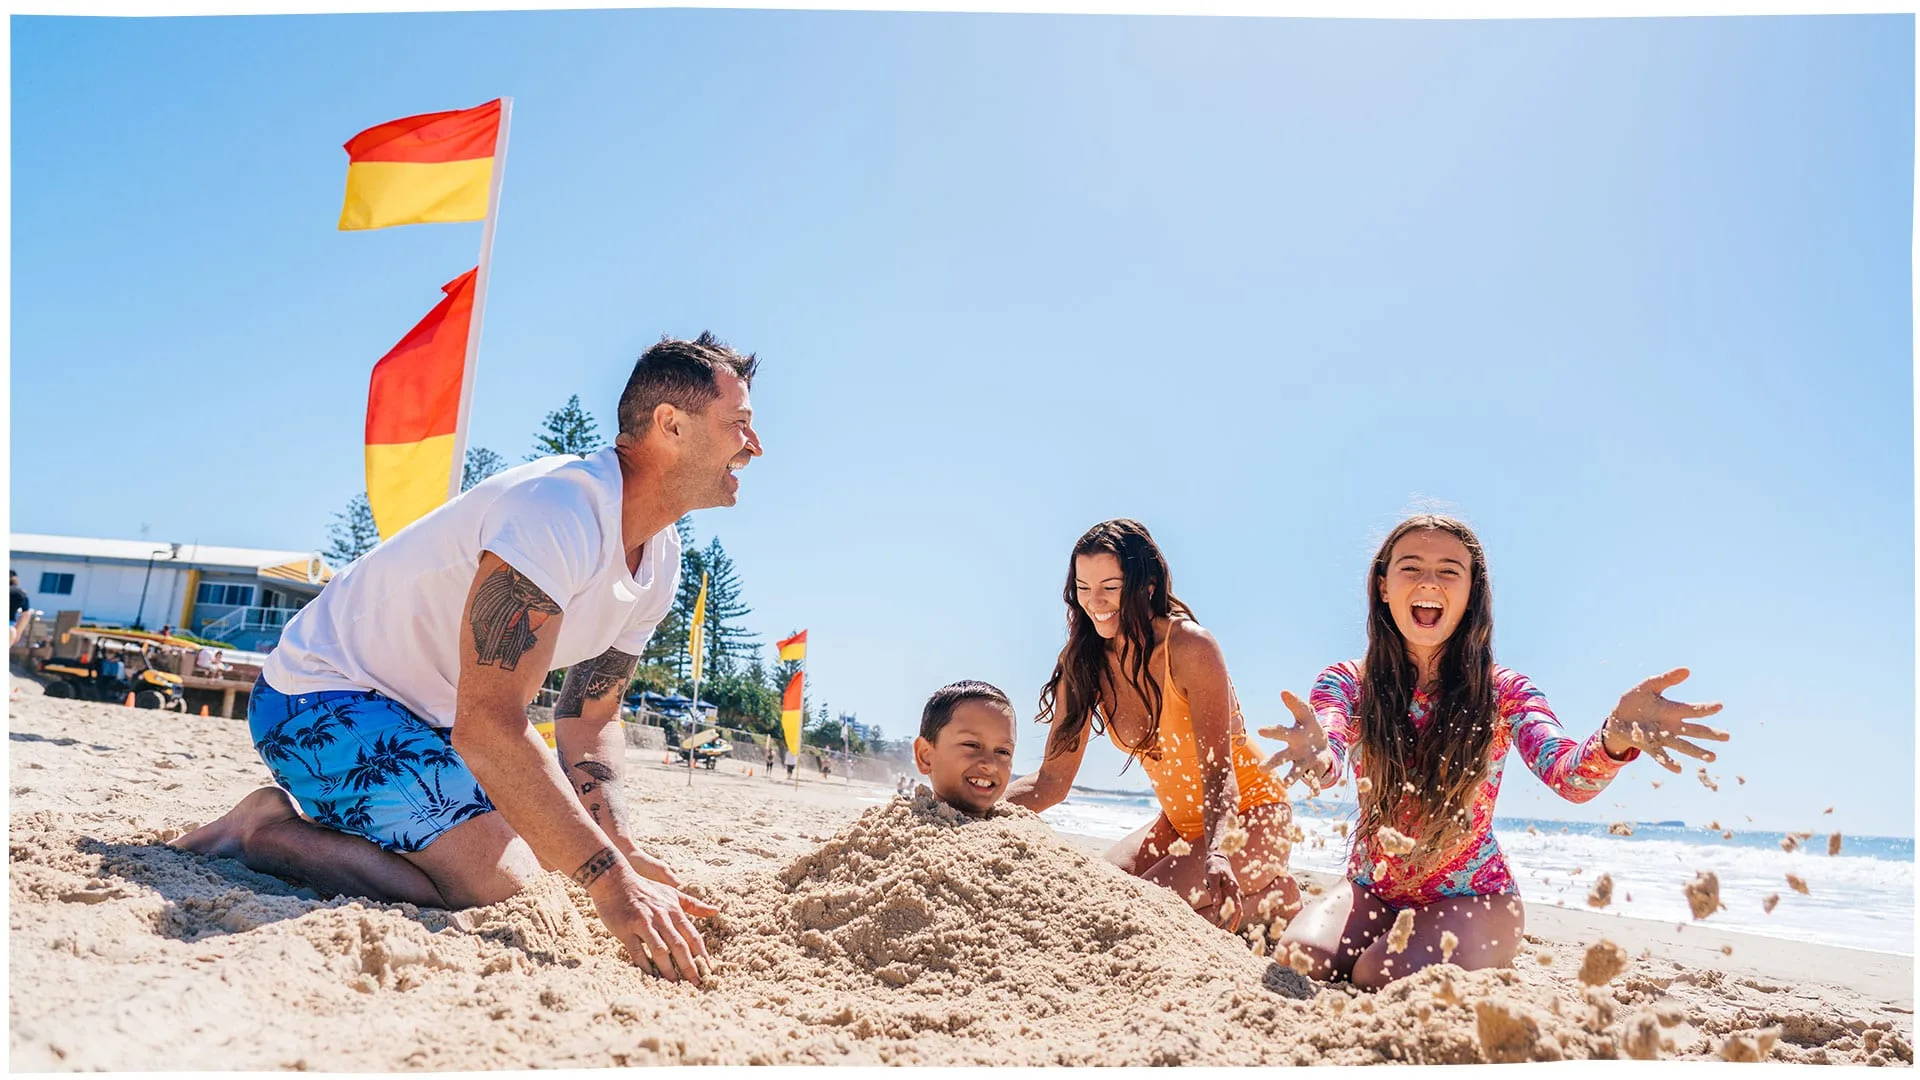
x=1070 y=701
x=1424 y=782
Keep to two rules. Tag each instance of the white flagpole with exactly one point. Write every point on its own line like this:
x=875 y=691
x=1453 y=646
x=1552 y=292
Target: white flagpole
x=479 y=297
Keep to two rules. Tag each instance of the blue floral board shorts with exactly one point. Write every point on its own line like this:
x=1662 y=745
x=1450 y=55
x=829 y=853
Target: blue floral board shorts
x=360 y=763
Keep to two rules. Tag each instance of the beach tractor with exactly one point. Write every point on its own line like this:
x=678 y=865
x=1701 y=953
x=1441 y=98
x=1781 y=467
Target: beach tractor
x=706 y=748
x=98 y=679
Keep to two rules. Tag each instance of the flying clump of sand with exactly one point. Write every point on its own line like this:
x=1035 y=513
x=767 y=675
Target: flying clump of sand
x=899 y=932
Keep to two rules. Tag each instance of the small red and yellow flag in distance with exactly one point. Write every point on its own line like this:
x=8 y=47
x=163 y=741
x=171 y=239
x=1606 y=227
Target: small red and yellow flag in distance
x=421 y=169
x=413 y=407
x=790 y=712
x=793 y=648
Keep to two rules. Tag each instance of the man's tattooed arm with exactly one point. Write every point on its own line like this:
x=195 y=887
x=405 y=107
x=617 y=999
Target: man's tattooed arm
x=596 y=867
x=508 y=612
x=594 y=680
x=599 y=788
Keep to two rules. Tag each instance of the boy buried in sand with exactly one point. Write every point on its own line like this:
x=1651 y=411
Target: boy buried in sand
x=965 y=746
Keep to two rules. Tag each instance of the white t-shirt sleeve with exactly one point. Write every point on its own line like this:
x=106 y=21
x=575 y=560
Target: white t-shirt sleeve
x=547 y=530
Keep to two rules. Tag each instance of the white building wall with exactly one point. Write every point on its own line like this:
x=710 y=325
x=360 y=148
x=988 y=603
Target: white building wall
x=107 y=592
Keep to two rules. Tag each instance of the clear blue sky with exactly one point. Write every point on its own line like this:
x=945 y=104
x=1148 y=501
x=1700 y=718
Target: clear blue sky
x=1633 y=296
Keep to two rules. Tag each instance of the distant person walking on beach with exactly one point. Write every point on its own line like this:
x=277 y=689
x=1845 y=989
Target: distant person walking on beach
x=770 y=759
x=1137 y=665
x=1428 y=718
x=394 y=710
x=791 y=763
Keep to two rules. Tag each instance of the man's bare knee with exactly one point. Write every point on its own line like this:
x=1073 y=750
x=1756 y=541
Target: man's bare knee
x=478 y=862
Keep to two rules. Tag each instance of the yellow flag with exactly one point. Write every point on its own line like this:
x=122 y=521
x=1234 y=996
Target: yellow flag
x=698 y=636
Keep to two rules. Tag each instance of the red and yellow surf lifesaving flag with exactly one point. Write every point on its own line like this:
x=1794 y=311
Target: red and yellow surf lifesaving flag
x=793 y=648
x=420 y=169
x=413 y=408
x=790 y=712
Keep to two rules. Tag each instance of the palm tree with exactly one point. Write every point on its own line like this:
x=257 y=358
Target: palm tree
x=356 y=817
x=474 y=807
x=437 y=758
x=366 y=773
x=278 y=746
x=317 y=735
x=325 y=814
x=389 y=754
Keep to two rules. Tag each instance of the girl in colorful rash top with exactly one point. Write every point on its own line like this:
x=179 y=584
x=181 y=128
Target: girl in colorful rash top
x=1428 y=718
x=1137 y=666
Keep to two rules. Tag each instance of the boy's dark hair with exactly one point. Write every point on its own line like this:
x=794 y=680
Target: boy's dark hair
x=678 y=373
x=940 y=706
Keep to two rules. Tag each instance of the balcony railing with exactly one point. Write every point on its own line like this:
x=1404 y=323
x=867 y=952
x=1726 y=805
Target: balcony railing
x=244 y=619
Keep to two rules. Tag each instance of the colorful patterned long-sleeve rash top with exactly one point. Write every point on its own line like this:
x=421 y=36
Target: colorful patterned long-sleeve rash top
x=1474 y=865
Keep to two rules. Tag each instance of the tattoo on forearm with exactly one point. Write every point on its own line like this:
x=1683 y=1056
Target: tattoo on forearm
x=594 y=679
x=600 y=791
x=596 y=867
x=508 y=611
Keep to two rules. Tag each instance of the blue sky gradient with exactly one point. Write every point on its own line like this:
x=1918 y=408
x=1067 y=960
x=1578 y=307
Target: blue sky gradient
x=1634 y=296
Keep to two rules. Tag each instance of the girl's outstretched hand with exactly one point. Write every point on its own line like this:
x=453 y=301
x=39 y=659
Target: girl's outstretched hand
x=1307 y=756
x=1647 y=721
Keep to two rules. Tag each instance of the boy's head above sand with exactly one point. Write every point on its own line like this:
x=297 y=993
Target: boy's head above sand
x=965 y=748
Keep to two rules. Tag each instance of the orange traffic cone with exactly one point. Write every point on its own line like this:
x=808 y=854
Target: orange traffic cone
x=203 y=710
x=129 y=701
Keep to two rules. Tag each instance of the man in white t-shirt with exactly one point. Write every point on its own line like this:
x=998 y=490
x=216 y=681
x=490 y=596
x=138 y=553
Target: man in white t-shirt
x=392 y=713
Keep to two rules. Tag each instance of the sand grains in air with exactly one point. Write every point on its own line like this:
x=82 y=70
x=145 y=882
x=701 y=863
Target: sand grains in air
x=1703 y=894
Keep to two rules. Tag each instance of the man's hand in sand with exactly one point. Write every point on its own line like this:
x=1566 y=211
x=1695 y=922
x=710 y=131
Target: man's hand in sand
x=1647 y=721
x=653 y=920
x=1307 y=755
x=653 y=869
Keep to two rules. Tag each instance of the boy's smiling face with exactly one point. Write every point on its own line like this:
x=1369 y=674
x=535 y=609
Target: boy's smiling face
x=971 y=759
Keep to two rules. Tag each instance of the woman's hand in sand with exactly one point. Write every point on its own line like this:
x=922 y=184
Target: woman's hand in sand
x=1219 y=899
x=1307 y=755
x=654 y=921
x=1647 y=721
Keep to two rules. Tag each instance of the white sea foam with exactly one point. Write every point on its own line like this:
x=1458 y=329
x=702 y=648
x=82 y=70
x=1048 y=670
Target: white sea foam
x=1855 y=901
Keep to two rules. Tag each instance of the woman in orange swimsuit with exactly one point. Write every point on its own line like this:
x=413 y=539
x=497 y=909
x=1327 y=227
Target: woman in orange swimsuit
x=1138 y=667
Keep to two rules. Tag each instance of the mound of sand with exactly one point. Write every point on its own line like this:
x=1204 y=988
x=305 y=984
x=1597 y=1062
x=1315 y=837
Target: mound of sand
x=943 y=938
x=904 y=934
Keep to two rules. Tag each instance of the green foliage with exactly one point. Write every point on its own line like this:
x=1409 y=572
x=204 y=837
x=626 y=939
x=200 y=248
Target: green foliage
x=481 y=463
x=657 y=678
x=745 y=700
x=568 y=430
x=210 y=643
x=729 y=645
x=352 y=533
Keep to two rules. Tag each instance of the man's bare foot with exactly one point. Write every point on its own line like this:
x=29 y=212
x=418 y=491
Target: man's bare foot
x=226 y=837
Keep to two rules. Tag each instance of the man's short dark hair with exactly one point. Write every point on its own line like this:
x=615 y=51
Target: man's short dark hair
x=680 y=374
x=940 y=706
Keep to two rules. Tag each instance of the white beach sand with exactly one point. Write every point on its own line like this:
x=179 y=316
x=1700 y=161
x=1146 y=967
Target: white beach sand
x=906 y=936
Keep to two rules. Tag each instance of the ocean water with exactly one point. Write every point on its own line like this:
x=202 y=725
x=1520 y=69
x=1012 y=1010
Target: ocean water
x=1861 y=898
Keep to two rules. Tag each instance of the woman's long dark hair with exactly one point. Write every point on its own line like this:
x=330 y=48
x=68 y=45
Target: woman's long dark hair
x=1424 y=782
x=1072 y=695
